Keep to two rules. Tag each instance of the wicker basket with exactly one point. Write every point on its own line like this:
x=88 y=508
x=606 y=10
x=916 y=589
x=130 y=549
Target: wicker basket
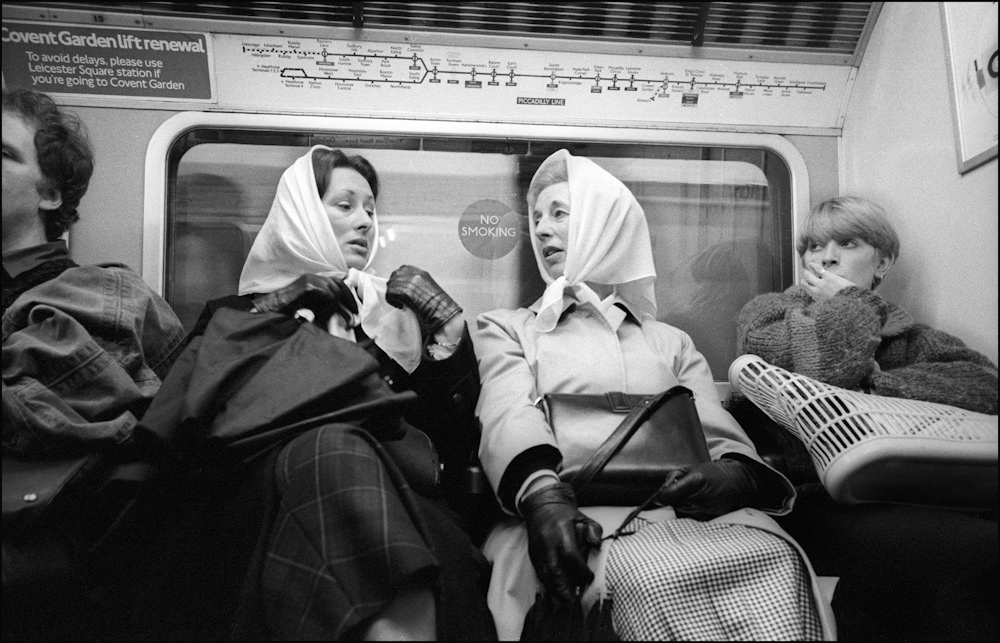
x=871 y=448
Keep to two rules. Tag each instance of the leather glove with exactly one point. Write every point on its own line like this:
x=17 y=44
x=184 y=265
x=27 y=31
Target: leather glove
x=709 y=489
x=324 y=296
x=416 y=289
x=559 y=540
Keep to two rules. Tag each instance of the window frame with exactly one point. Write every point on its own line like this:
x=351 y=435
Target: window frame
x=161 y=144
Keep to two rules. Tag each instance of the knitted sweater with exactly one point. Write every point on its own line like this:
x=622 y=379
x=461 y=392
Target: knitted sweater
x=858 y=340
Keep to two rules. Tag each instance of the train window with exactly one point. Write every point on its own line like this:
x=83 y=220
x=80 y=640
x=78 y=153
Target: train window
x=719 y=216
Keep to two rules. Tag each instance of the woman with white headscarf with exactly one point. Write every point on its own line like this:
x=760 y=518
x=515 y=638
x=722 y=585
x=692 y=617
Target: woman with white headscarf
x=360 y=549
x=707 y=563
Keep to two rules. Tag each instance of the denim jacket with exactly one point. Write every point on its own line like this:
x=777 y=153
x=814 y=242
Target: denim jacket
x=83 y=355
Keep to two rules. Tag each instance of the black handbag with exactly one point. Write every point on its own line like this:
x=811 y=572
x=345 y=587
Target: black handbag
x=617 y=447
x=252 y=382
x=58 y=513
x=30 y=486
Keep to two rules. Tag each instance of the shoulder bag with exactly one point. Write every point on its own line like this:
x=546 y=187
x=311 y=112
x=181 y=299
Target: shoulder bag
x=253 y=381
x=616 y=447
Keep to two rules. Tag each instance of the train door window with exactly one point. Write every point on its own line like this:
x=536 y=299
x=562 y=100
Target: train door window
x=719 y=217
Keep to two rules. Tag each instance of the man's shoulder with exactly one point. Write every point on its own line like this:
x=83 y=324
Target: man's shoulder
x=87 y=285
x=114 y=266
x=95 y=299
x=109 y=271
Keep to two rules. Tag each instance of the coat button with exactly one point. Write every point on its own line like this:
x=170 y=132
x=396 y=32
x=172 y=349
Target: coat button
x=456 y=399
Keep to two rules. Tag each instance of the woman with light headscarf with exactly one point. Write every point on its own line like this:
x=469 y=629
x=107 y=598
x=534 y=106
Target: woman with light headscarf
x=359 y=548
x=707 y=562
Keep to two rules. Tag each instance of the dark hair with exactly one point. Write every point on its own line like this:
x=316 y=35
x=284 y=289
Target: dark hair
x=326 y=161
x=62 y=146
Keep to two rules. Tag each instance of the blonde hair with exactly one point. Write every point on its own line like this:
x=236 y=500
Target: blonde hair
x=553 y=171
x=850 y=217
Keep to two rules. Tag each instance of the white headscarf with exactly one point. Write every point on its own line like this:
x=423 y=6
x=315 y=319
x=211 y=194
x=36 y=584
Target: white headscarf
x=608 y=241
x=297 y=238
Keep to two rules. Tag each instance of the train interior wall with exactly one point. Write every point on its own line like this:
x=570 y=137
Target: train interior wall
x=897 y=146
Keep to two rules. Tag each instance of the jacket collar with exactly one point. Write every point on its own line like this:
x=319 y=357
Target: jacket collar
x=570 y=303
x=23 y=260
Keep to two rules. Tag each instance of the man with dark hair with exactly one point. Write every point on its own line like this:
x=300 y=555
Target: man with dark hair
x=99 y=339
x=85 y=348
x=62 y=156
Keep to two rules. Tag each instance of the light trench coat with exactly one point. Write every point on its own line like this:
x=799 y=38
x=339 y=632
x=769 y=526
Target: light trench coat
x=591 y=352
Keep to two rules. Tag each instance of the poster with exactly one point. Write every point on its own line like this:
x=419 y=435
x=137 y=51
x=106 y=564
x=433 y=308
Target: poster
x=970 y=38
x=99 y=61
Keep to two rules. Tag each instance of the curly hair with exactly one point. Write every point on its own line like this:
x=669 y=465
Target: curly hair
x=64 y=153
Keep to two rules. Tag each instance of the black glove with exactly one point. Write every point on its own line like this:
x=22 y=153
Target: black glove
x=559 y=540
x=324 y=296
x=416 y=289
x=710 y=489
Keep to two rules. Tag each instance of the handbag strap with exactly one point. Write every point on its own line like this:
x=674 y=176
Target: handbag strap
x=625 y=430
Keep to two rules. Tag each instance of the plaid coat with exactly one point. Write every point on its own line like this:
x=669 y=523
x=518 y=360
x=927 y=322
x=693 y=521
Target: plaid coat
x=344 y=481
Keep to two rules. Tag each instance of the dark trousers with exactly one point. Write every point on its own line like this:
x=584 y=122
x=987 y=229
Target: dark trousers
x=906 y=573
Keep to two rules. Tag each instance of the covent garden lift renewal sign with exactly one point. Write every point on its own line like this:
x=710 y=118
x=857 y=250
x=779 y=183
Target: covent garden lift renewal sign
x=107 y=61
